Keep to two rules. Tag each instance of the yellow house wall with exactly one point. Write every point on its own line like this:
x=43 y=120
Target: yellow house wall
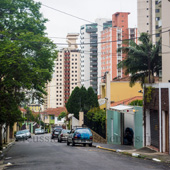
x=47 y=120
x=121 y=90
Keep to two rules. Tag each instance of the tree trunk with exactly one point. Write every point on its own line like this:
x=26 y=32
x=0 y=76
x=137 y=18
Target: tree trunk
x=0 y=136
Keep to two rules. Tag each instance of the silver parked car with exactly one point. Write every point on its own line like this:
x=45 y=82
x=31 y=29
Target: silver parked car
x=27 y=132
x=80 y=136
x=63 y=135
x=20 y=135
x=39 y=131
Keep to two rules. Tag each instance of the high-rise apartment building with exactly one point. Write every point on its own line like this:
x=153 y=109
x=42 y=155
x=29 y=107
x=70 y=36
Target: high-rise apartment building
x=112 y=39
x=165 y=41
x=91 y=54
x=146 y=17
x=153 y=18
x=66 y=75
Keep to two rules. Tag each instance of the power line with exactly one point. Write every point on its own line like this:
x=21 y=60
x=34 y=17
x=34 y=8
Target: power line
x=73 y=16
x=102 y=42
x=67 y=13
x=74 y=82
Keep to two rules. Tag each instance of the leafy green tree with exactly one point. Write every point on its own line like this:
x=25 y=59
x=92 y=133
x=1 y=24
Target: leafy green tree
x=81 y=100
x=29 y=116
x=143 y=60
x=92 y=100
x=136 y=103
x=73 y=104
x=97 y=118
x=62 y=114
x=83 y=94
x=26 y=56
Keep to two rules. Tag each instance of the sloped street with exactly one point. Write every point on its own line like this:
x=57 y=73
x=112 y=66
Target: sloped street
x=41 y=152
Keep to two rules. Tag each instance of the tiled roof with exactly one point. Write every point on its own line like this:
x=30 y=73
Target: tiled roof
x=54 y=111
x=35 y=113
x=126 y=101
x=127 y=78
x=22 y=109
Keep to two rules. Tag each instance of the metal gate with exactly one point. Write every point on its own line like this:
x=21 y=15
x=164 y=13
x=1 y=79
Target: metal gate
x=154 y=122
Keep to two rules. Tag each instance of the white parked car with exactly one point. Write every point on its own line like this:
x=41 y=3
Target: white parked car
x=39 y=131
x=20 y=135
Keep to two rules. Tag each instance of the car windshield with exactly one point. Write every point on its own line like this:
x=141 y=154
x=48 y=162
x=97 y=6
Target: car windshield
x=26 y=131
x=19 y=132
x=83 y=131
x=37 y=129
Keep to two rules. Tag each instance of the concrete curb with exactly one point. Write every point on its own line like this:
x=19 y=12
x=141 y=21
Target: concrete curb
x=136 y=155
x=5 y=149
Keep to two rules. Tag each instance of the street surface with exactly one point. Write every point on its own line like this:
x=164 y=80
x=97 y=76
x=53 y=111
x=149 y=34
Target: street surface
x=42 y=153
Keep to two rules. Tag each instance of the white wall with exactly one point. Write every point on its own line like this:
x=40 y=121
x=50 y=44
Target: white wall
x=59 y=122
x=165 y=41
x=128 y=121
x=75 y=122
x=85 y=58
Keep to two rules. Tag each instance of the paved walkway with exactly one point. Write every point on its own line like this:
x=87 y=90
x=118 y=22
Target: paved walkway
x=144 y=152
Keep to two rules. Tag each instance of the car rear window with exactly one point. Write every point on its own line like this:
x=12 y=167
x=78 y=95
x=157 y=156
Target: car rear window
x=57 y=130
x=83 y=131
x=65 y=131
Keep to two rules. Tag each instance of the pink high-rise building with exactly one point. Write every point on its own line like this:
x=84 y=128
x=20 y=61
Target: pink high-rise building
x=112 y=39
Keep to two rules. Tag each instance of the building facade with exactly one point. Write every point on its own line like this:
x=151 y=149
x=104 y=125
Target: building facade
x=66 y=74
x=91 y=54
x=112 y=39
x=165 y=41
x=157 y=117
x=153 y=18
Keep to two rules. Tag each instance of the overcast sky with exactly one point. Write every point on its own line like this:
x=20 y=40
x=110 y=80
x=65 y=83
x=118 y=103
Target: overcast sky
x=60 y=24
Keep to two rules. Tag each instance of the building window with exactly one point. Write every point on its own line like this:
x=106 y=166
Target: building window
x=157 y=10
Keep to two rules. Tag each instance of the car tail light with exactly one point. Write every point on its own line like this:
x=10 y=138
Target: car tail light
x=61 y=135
x=75 y=137
x=91 y=137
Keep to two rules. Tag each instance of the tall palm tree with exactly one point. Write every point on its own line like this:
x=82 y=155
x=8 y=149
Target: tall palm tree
x=142 y=61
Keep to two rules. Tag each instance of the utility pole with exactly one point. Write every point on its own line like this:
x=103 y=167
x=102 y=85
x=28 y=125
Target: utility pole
x=107 y=80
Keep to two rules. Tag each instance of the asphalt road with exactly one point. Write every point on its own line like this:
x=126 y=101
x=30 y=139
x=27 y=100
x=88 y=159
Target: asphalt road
x=42 y=153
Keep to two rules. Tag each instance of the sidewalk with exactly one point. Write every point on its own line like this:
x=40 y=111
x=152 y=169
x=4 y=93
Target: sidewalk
x=2 y=153
x=145 y=152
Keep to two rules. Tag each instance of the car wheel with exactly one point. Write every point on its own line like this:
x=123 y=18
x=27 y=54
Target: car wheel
x=90 y=144
x=16 y=140
x=73 y=144
x=84 y=144
x=68 y=143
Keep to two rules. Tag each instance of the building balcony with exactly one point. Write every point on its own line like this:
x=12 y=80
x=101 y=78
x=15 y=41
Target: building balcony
x=91 y=30
x=93 y=45
x=93 y=54
x=93 y=68
x=93 y=78
x=93 y=50
x=93 y=64
x=93 y=35
x=93 y=59
x=93 y=83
